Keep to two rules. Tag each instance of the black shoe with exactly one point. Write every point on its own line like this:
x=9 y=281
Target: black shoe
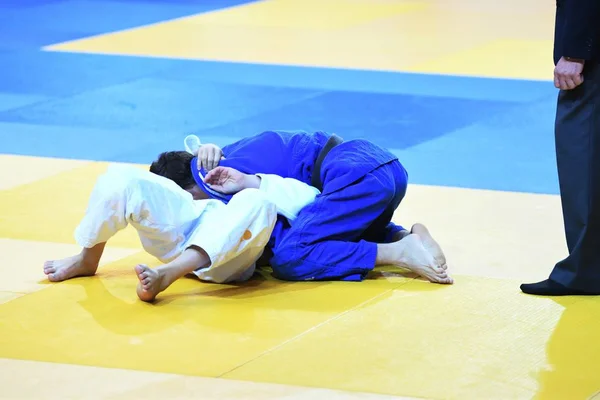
x=551 y=288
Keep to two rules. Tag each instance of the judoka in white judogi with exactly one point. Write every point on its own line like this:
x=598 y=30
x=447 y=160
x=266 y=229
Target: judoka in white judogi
x=217 y=242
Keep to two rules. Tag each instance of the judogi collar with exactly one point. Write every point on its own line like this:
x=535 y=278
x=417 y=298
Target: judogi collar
x=199 y=175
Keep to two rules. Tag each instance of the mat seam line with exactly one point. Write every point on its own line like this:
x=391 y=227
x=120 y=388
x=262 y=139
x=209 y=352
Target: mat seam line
x=335 y=317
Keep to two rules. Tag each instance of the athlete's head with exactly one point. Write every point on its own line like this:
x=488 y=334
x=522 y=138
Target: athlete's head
x=175 y=165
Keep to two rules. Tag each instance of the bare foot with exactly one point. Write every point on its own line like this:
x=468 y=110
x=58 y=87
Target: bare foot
x=151 y=283
x=430 y=244
x=415 y=257
x=67 y=268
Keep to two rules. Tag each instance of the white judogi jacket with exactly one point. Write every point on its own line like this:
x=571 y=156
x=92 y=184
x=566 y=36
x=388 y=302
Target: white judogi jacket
x=169 y=221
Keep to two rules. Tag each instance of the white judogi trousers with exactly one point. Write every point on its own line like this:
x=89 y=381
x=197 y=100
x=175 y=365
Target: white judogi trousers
x=168 y=221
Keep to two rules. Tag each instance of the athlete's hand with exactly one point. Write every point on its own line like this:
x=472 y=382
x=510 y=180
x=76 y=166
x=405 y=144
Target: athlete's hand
x=229 y=180
x=568 y=73
x=209 y=156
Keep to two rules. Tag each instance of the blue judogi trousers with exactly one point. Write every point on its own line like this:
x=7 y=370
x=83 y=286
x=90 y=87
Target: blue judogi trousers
x=336 y=236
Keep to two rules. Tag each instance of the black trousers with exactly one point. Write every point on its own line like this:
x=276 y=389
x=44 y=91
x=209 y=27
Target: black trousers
x=577 y=133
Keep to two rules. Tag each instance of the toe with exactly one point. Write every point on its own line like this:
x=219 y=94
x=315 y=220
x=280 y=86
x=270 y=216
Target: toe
x=441 y=278
x=140 y=269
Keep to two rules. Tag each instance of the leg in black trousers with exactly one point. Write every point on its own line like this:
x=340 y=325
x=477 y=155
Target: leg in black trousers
x=577 y=133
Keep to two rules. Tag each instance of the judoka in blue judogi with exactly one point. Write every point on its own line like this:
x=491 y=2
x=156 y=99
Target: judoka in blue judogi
x=347 y=230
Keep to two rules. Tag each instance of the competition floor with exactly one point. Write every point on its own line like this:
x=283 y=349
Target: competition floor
x=459 y=89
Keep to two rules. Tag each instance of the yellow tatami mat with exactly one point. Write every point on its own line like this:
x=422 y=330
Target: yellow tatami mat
x=416 y=36
x=130 y=385
x=391 y=335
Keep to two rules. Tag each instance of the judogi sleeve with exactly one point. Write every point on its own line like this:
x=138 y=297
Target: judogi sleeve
x=289 y=195
x=234 y=235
